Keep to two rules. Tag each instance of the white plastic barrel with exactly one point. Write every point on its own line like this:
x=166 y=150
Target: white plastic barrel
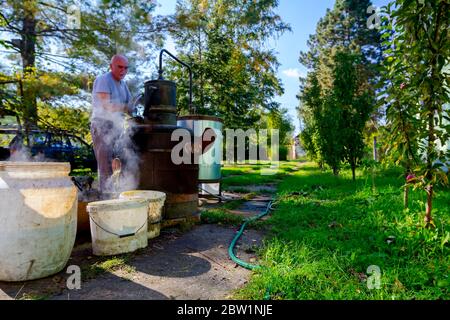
x=155 y=208
x=38 y=219
x=118 y=226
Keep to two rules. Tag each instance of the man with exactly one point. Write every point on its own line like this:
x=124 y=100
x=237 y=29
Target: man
x=111 y=100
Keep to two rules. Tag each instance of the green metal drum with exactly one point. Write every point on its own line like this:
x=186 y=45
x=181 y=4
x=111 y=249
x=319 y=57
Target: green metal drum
x=209 y=161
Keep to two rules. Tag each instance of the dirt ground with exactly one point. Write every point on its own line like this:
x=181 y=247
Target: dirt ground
x=177 y=265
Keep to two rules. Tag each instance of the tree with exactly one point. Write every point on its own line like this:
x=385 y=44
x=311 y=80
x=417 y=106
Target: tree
x=309 y=112
x=417 y=37
x=343 y=29
x=235 y=76
x=322 y=133
x=86 y=33
x=402 y=143
x=336 y=120
x=281 y=121
x=355 y=104
x=66 y=118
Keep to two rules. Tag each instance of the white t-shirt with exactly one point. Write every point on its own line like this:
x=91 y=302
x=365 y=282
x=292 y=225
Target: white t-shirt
x=119 y=94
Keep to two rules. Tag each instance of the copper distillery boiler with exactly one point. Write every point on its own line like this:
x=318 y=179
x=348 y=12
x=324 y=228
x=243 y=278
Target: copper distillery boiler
x=158 y=172
x=152 y=139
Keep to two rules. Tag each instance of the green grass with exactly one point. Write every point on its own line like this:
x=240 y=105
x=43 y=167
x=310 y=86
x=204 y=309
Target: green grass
x=239 y=176
x=248 y=179
x=228 y=170
x=221 y=216
x=245 y=175
x=83 y=172
x=108 y=265
x=327 y=231
x=239 y=190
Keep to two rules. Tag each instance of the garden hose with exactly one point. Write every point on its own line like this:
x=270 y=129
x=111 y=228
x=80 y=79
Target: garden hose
x=236 y=238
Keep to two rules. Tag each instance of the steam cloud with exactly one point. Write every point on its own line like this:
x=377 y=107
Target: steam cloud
x=118 y=135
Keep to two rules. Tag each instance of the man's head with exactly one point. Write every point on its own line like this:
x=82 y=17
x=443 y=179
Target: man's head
x=119 y=66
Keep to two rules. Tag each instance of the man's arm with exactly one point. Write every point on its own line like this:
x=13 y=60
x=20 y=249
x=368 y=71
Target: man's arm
x=103 y=99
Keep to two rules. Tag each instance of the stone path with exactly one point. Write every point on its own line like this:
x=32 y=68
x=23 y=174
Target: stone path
x=192 y=266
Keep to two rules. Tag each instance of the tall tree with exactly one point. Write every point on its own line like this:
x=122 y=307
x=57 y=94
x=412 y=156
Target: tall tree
x=280 y=119
x=336 y=119
x=354 y=101
x=311 y=101
x=343 y=29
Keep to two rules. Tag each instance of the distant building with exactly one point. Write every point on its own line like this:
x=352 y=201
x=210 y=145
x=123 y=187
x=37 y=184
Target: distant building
x=296 y=151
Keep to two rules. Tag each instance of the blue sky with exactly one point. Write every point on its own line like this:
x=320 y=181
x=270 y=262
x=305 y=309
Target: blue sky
x=303 y=16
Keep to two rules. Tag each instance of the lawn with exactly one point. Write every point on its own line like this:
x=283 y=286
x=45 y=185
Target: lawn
x=329 y=233
x=246 y=174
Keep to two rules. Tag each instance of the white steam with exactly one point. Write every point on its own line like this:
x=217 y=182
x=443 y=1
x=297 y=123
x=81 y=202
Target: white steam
x=119 y=137
x=21 y=153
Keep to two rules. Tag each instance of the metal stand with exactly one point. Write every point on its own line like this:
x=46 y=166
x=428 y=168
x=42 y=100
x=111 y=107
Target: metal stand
x=211 y=195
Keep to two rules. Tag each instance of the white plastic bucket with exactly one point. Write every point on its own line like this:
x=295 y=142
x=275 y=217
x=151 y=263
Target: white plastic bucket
x=156 y=201
x=38 y=219
x=118 y=226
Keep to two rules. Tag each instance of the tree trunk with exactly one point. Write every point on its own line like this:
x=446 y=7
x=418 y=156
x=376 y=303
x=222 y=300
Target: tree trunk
x=432 y=106
x=202 y=82
x=321 y=165
x=408 y=172
x=28 y=54
x=335 y=171
x=428 y=217
x=353 y=172
x=429 y=176
x=406 y=197
x=375 y=151
x=374 y=188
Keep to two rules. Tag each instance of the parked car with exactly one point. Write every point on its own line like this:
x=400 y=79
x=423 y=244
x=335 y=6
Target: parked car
x=48 y=145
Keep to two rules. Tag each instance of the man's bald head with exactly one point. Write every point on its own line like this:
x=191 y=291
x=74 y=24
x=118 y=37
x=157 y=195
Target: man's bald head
x=119 y=66
x=118 y=58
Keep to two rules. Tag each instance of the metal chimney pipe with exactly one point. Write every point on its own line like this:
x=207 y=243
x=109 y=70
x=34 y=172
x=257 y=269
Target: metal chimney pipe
x=160 y=72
